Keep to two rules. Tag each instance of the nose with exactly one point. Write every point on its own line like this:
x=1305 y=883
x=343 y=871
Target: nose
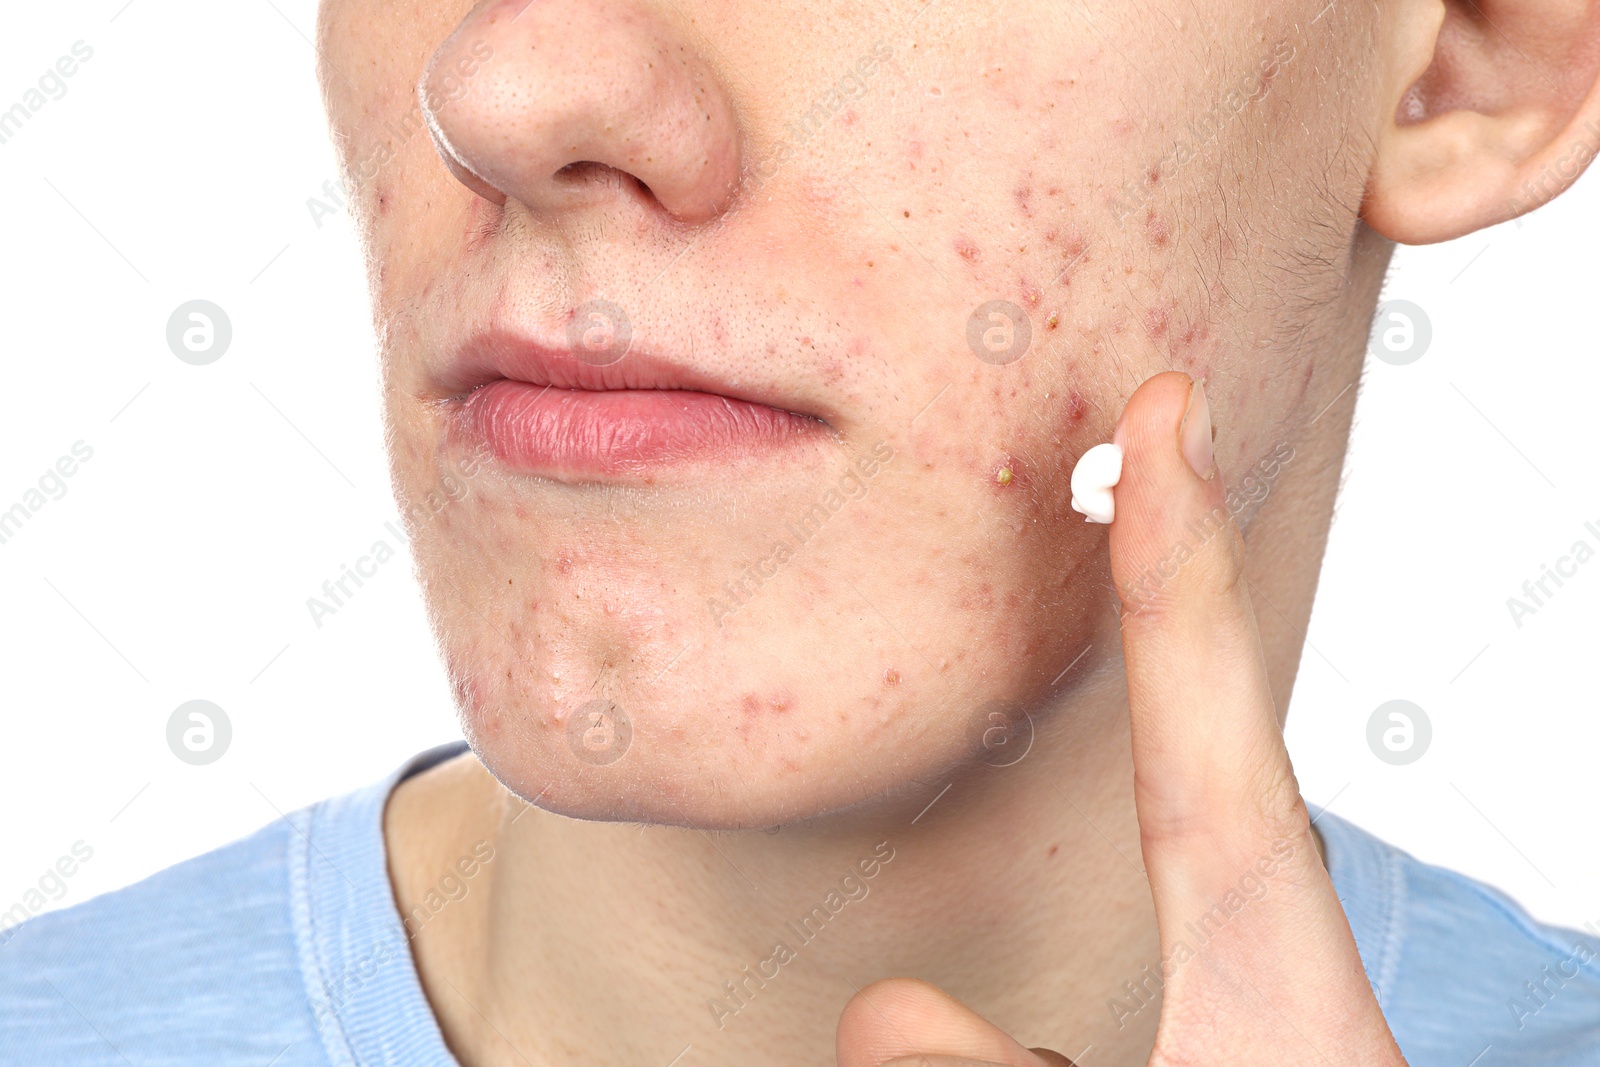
x=559 y=104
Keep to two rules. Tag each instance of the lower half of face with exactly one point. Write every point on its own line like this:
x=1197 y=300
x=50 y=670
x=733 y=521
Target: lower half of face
x=734 y=432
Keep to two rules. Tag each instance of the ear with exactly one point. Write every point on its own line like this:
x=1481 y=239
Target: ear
x=1492 y=109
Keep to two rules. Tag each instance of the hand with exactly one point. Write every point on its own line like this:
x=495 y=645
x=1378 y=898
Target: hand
x=1219 y=809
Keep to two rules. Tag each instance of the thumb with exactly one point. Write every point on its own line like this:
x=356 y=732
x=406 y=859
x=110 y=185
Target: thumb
x=902 y=1021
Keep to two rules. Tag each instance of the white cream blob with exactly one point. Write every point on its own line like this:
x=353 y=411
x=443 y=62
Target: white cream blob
x=1096 y=474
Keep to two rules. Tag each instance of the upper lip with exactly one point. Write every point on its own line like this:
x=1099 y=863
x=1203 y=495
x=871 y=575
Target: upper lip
x=501 y=353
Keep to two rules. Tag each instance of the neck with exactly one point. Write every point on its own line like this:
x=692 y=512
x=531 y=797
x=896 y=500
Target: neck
x=1018 y=889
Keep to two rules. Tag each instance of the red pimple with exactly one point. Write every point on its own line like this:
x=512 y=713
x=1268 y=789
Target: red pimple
x=966 y=249
x=1077 y=406
x=1155 y=322
x=1156 y=230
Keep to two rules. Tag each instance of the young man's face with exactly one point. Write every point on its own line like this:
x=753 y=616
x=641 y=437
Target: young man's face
x=922 y=251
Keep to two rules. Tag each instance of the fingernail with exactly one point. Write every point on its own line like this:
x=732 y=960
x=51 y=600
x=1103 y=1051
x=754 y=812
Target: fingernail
x=1194 y=432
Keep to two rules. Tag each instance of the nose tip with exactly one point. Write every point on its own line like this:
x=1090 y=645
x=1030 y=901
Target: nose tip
x=557 y=104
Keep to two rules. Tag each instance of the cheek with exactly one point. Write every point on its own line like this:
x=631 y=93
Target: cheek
x=997 y=545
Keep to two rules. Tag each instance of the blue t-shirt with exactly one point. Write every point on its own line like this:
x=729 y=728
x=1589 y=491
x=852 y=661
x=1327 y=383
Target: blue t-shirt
x=286 y=949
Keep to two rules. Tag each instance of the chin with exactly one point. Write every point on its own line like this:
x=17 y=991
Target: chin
x=631 y=656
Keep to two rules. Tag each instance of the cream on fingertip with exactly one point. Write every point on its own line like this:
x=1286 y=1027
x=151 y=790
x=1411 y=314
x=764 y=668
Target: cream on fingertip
x=1095 y=476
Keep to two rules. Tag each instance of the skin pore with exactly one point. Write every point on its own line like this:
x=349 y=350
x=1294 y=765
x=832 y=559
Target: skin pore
x=807 y=202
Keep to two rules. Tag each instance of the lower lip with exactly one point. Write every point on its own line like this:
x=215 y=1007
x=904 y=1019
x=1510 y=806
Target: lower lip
x=583 y=434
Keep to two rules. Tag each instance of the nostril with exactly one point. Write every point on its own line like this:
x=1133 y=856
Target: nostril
x=586 y=175
x=587 y=171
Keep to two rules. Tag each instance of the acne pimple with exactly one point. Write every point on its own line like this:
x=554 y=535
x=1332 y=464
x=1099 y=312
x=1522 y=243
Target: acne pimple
x=1155 y=322
x=966 y=249
x=1155 y=230
x=1007 y=474
x=891 y=677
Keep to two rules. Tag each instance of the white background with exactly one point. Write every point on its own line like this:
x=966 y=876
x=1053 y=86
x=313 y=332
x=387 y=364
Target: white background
x=178 y=166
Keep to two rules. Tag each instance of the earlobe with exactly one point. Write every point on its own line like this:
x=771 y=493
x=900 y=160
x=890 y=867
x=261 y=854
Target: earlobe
x=1492 y=110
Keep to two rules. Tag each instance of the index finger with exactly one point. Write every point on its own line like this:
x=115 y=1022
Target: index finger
x=1213 y=782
